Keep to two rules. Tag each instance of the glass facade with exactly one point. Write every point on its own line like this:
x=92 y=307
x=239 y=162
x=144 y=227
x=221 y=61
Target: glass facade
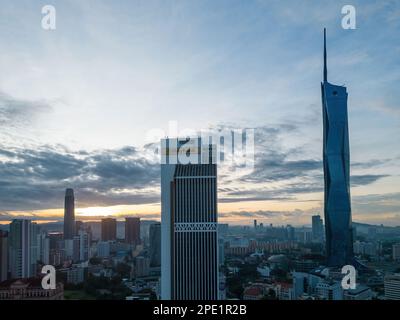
x=336 y=159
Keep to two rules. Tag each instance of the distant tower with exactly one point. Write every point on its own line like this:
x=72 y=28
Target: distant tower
x=132 y=230
x=69 y=215
x=155 y=245
x=336 y=159
x=189 y=258
x=317 y=228
x=108 y=229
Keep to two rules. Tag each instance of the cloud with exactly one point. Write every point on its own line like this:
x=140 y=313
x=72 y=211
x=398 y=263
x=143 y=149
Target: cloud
x=370 y=163
x=362 y=180
x=36 y=179
x=377 y=203
x=17 y=112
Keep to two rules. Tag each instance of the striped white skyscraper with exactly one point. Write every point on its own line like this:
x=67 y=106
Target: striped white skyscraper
x=189 y=242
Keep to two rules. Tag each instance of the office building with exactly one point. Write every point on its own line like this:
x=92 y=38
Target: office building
x=70 y=249
x=69 y=214
x=132 y=230
x=57 y=248
x=75 y=274
x=372 y=249
x=392 y=287
x=223 y=229
x=396 y=251
x=155 y=245
x=108 y=229
x=23 y=248
x=290 y=232
x=336 y=162
x=103 y=249
x=142 y=266
x=44 y=248
x=78 y=226
x=3 y=255
x=304 y=282
x=221 y=251
x=189 y=258
x=329 y=290
x=317 y=228
x=361 y=292
x=85 y=239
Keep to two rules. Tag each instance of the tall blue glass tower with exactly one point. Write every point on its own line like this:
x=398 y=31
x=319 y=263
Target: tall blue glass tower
x=336 y=159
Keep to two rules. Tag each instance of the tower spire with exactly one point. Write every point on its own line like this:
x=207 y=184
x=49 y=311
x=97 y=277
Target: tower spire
x=325 y=64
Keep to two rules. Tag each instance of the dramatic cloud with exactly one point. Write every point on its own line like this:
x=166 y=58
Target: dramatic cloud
x=36 y=179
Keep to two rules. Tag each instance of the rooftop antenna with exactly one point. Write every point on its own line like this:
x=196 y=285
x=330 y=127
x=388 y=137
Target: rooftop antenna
x=325 y=64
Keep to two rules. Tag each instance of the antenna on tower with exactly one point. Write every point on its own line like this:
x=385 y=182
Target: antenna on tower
x=325 y=63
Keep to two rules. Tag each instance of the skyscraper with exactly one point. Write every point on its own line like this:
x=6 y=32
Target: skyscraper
x=317 y=227
x=155 y=244
x=189 y=259
x=69 y=215
x=78 y=226
x=132 y=230
x=44 y=247
x=3 y=255
x=83 y=239
x=23 y=248
x=336 y=160
x=108 y=229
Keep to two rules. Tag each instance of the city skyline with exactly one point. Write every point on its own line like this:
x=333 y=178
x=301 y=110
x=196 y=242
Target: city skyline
x=245 y=72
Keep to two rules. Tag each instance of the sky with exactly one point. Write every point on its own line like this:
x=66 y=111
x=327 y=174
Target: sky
x=84 y=106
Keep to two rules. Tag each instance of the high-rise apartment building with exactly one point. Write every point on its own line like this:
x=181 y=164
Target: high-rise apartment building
x=189 y=258
x=336 y=160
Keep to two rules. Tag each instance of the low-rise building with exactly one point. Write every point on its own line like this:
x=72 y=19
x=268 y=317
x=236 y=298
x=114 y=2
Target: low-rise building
x=253 y=293
x=29 y=289
x=75 y=274
x=329 y=290
x=361 y=292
